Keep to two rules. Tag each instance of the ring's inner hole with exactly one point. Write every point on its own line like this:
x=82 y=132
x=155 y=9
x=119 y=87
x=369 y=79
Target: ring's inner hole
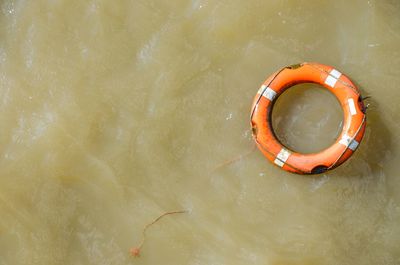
x=307 y=118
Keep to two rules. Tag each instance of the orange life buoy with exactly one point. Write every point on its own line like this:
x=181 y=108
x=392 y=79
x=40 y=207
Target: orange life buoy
x=353 y=123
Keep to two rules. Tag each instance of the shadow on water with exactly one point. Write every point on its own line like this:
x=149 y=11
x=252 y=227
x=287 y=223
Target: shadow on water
x=369 y=159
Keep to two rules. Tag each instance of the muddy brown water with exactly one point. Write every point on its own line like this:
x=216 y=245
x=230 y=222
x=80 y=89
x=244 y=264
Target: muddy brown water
x=114 y=112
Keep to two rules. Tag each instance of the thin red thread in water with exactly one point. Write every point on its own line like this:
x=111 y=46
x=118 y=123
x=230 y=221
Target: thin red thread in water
x=135 y=251
x=240 y=157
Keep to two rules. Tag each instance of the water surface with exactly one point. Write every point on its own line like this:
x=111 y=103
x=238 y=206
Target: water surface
x=113 y=112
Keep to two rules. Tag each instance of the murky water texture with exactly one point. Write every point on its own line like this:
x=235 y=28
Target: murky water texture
x=113 y=112
x=303 y=110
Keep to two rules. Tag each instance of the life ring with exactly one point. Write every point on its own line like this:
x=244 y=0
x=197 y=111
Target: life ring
x=353 y=123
